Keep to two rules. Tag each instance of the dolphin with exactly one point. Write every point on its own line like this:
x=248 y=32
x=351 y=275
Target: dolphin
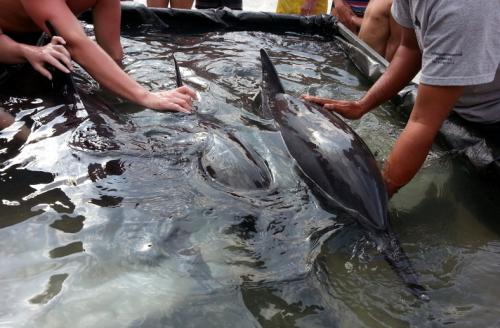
x=338 y=167
x=227 y=159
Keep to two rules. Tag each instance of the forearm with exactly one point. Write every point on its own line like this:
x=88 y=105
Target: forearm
x=11 y=52
x=105 y=70
x=404 y=66
x=432 y=107
x=407 y=157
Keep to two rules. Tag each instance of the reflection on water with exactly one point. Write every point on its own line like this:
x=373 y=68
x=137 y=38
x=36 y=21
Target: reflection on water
x=129 y=217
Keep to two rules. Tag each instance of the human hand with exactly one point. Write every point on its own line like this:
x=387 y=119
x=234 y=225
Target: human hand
x=180 y=100
x=349 y=109
x=346 y=16
x=357 y=21
x=308 y=7
x=53 y=53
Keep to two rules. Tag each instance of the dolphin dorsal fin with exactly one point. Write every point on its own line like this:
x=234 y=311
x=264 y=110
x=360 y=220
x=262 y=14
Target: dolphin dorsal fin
x=270 y=78
x=178 y=76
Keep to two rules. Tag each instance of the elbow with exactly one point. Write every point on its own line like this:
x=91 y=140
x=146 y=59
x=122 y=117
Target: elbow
x=78 y=46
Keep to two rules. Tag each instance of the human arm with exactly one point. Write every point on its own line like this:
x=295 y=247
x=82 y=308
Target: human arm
x=343 y=12
x=403 y=67
x=432 y=106
x=307 y=7
x=12 y=52
x=98 y=63
x=106 y=14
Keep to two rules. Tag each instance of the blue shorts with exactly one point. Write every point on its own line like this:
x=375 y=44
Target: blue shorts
x=357 y=6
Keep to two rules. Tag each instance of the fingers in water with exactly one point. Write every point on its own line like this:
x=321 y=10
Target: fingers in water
x=187 y=90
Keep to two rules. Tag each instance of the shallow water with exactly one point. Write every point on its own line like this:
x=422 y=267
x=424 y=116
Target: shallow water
x=129 y=217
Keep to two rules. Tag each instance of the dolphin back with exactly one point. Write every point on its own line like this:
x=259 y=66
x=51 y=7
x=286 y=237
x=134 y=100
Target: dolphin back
x=337 y=164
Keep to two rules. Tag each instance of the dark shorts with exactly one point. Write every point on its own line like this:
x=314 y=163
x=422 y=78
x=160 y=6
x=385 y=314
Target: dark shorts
x=209 y=4
x=490 y=131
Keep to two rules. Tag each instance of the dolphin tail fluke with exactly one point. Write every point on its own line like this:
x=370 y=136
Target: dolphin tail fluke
x=178 y=76
x=400 y=263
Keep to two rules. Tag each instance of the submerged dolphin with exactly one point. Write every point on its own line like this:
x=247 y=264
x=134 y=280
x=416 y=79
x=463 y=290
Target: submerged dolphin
x=227 y=159
x=338 y=167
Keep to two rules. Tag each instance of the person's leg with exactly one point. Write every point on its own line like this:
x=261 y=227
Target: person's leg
x=206 y=4
x=375 y=29
x=158 y=3
x=107 y=17
x=182 y=4
x=233 y=4
x=491 y=132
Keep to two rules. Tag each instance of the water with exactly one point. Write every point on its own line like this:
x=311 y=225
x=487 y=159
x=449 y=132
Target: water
x=128 y=217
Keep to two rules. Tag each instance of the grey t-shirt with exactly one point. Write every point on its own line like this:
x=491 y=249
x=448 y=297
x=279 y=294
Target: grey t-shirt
x=460 y=43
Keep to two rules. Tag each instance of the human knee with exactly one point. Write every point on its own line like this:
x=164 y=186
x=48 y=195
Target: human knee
x=378 y=10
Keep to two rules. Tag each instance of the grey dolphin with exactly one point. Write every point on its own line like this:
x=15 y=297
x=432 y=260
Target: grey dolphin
x=338 y=167
x=227 y=159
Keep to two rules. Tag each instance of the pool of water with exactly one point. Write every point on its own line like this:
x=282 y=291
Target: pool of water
x=121 y=216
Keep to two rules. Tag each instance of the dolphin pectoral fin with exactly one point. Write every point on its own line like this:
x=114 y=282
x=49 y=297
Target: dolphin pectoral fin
x=178 y=76
x=401 y=264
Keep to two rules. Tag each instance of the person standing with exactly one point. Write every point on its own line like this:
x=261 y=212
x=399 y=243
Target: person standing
x=212 y=4
x=350 y=13
x=372 y=22
x=456 y=46
x=180 y=4
x=302 y=7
